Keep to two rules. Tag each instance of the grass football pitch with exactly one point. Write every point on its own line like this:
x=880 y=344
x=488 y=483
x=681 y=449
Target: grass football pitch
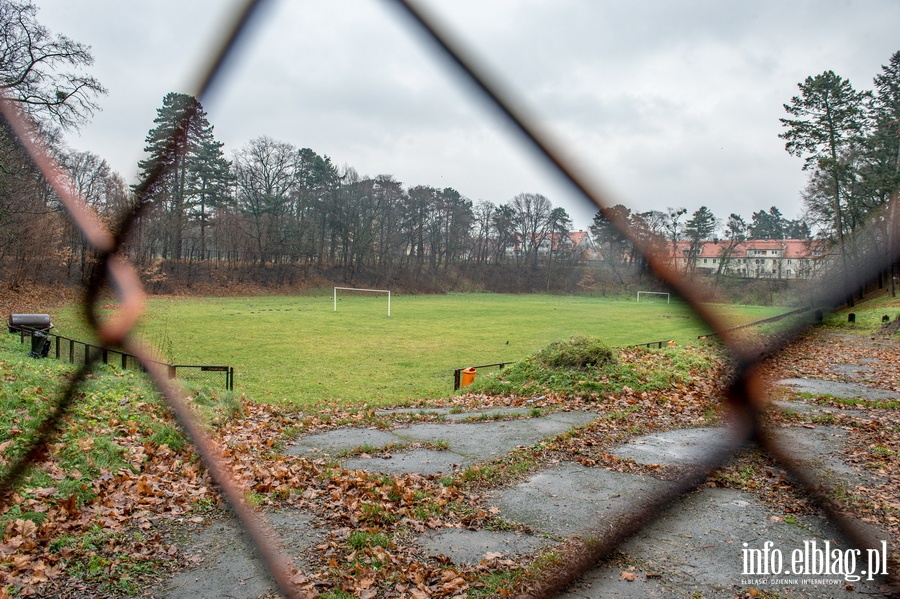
x=299 y=350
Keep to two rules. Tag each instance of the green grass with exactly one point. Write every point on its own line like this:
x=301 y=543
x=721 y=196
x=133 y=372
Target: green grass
x=868 y=315
x=297 y=349
x=116 y=422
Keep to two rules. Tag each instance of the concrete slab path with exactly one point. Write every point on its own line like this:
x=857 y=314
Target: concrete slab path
x=697 y=548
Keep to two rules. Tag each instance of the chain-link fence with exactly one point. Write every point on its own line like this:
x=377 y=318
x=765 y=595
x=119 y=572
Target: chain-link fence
x=744 y=394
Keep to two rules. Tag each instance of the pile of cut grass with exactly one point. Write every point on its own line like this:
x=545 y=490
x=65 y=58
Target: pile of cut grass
x=586 y=368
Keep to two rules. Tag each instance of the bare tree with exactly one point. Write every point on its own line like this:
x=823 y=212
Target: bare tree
x=91 y=179
x=532 y=222
x=41 y=72
x=265 y=177
x=674 y=229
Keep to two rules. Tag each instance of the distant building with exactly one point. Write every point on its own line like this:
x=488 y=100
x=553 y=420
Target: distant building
x=577 y=245
x=752 y=259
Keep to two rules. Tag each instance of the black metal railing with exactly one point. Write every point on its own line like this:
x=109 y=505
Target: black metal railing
x=656 y=344
x=82 y=352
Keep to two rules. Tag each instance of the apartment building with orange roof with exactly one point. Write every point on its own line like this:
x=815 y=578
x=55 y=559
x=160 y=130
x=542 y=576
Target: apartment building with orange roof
x=751 y=259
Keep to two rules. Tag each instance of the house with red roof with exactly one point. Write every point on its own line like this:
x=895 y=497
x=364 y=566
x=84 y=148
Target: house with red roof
x=751 y=259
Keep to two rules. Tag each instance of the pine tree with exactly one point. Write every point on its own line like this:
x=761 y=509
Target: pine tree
x=699 y=229
x=828 y=126
x=184 y=175
x=883 y=154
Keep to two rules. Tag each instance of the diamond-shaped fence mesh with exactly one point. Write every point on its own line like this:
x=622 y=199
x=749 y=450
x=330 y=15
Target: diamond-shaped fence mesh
x=744 y=394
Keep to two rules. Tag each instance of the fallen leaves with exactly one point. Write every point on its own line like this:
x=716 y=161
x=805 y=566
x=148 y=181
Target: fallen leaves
x=370 y=518
x=629 y=576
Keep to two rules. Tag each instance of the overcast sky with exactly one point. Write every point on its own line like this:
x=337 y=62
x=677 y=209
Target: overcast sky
x=662 y=103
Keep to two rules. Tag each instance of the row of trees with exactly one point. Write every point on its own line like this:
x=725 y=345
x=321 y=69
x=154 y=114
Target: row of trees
x=661 y=231
x=275 y=204
x=850 y=144
x=272 y=208
x=43 y=77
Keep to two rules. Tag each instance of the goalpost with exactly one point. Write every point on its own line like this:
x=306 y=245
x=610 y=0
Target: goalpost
x=653 y=293
x=367 y=290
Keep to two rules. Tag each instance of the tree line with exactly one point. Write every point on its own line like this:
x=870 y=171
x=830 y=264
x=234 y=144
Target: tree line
x=660 y=232
x=275 y=213
x=849 y=141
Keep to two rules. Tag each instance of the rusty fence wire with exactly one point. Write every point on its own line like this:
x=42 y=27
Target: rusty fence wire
x=745 y=396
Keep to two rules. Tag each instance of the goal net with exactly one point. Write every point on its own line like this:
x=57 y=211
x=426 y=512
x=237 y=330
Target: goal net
x=356 y=290
x=652 y=293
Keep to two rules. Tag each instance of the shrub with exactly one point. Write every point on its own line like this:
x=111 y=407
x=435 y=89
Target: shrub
x=578 y=353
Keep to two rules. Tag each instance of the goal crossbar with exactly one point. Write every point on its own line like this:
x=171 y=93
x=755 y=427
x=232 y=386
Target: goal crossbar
x=668 y=297
x=336 y=289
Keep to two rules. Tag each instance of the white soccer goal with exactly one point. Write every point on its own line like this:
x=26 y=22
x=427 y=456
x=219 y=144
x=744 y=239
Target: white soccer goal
x=653 y=293
x=366 y=290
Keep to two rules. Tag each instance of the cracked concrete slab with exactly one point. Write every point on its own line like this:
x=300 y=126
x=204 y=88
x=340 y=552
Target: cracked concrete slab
x=469 y=440
x=570 y=499
x=695 y=547
x=675 y=448
x=340 y=440
x=482 y=440
x=472 y=546
x=455 y=414
x=698 y=549
x=838 y=389
x=232 y=563
x=421 y=461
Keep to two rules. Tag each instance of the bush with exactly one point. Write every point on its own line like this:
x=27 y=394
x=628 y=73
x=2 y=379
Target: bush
x=578 y=353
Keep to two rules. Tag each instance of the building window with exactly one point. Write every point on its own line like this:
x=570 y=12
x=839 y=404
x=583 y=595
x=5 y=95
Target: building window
x=704 y=261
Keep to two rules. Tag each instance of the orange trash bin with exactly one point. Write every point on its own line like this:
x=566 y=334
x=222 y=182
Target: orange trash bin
x=468 y=377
